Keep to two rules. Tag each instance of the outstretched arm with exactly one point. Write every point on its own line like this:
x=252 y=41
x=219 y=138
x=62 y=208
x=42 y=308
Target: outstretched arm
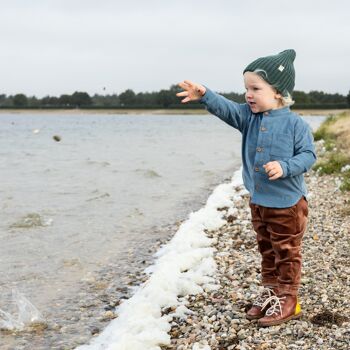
x=232 y=113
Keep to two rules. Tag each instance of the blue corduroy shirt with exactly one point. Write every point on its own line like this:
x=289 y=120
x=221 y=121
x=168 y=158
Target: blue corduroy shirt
x=274 y=135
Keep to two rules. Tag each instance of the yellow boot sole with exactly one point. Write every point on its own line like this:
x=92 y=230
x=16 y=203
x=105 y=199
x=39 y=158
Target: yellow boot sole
x=297 y=314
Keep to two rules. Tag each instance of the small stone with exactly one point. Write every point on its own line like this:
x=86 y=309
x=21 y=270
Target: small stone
x=212 y=318
x=338 y=334
x=241 y=334
x=288 y=331
x=324 y=298
x=108 y=315
x=300 y=333
x=57 y=138
x=95 y=330
x=319 y=341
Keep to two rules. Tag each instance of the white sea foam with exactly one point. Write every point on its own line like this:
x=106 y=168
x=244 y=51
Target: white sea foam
x=184 y=266
x=345 y=168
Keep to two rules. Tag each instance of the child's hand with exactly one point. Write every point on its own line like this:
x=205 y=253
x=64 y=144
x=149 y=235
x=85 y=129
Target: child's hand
x=273 y=169
x=193 y=91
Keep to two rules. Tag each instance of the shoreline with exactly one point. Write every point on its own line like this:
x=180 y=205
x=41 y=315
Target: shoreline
x=310 y=112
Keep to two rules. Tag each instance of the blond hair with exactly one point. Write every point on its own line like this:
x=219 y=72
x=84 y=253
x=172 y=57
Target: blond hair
x=286 y=98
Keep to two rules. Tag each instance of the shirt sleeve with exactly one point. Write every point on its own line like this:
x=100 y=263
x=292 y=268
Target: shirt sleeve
x=304 y=151
x=232 y=113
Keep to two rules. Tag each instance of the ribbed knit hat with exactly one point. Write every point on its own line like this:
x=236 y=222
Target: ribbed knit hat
x=277 y=70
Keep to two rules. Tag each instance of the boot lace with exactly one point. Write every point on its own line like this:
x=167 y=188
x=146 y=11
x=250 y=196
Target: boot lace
x=264 y=297
x=276 y=305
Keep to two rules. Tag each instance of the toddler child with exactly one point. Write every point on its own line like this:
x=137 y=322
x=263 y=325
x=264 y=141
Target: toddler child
x=277 y=148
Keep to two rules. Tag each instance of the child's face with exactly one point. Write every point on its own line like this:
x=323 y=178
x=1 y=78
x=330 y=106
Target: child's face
x=260 y=95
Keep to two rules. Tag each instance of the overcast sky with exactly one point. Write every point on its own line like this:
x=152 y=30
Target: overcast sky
x=60 y=46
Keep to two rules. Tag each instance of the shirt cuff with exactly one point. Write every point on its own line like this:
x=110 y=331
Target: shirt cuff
x=207 y=95
x=284 y=167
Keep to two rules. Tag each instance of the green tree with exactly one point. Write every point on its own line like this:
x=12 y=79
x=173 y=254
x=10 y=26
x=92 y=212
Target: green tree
x=127 y=98
x=3 y=99
x=105 y=101
x=301 y=97
x=65 y=100
x=33 y=102
x=81 y=99
x=20 y=100
x=49 y=101
x=239 y=98
x=348 y=98
x=165 y=98
x=322 y=97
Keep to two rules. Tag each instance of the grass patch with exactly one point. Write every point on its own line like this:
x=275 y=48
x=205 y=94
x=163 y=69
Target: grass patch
x=322 y=132
x=332 y=163
x=335 y=132
x=345 y=186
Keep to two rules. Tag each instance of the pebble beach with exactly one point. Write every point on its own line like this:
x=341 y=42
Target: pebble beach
x=218 y=318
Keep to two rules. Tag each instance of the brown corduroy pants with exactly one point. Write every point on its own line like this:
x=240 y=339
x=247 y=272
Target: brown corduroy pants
x=279 y=236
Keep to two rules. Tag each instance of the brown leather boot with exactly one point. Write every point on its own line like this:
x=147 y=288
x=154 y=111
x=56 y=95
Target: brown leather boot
x=260 y=305
x=283 y=308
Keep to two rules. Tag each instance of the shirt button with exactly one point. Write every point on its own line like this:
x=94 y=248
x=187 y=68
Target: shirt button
x=256 y=169
x=259 y=149
x=266 y=113
x=263 y=128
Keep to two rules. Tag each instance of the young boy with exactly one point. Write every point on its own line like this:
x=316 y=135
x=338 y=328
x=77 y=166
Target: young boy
x=277 y=148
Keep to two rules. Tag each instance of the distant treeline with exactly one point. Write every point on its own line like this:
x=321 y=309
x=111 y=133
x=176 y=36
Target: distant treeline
x=160 y=99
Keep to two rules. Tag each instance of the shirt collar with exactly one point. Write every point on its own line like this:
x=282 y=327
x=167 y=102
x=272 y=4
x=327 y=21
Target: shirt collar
x=274 y=112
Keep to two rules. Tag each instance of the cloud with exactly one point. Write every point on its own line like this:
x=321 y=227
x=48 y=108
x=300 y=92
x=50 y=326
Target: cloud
x=54 y=47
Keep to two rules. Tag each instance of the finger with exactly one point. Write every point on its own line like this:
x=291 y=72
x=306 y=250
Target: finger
x=182 y=93
x=270 y=164
x=187 y=99
x=268 y=168
x=273 y=166
x=189 y=82
x=274 y=177
x=183 y=85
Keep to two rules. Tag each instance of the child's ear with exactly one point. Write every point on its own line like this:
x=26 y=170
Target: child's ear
x=278 y=96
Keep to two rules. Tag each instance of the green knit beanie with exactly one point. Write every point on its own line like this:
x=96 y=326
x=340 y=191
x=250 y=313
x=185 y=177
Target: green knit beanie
x=277 y=70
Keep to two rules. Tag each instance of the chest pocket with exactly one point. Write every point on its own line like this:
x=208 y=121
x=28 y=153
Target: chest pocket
x=282 y=146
